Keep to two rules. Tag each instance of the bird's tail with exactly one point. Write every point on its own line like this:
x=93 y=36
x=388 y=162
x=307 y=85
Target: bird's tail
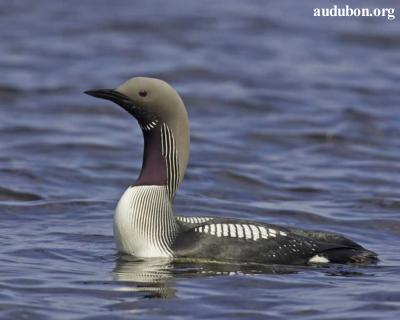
x=351 y=255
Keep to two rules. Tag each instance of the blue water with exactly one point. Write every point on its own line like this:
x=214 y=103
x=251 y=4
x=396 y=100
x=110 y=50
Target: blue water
x=295 y=120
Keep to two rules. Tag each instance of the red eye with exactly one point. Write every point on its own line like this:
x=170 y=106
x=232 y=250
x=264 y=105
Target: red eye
x=143 y=93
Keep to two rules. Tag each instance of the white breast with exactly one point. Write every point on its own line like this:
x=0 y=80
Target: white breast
x=143 y=222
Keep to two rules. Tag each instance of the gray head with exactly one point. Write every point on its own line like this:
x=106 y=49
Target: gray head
x=153 y=101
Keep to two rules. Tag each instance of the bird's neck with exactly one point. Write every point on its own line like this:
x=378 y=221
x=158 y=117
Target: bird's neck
x=153 y=170
x=160 y=165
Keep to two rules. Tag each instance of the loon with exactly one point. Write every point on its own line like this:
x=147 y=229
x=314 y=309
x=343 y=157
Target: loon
x=144 y=222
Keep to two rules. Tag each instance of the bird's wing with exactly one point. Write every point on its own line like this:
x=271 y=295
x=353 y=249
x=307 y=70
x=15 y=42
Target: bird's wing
x=232 y=239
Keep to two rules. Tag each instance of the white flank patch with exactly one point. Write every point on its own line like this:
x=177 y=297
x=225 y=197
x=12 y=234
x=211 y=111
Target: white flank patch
x=318 y=259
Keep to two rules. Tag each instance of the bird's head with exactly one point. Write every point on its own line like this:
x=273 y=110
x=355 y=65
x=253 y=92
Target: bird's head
x=147 y=99
x=154 y=104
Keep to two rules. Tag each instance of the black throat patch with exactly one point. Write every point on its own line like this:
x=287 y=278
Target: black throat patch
x=154 y=168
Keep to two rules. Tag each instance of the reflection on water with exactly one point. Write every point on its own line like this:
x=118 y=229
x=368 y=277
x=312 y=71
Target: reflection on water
x=150 y=276
x=154 y=270
x=157 y=278
x=129 y=268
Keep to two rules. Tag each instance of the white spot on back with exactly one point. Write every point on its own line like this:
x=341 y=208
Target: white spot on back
x=256 y=233
x=219 y=230
x=193 y=219
x=264 y=233
x=212 y=229
x=272 y=232
x=232 y=230
x=247 y=231
x=225 y=228
x=240 y=231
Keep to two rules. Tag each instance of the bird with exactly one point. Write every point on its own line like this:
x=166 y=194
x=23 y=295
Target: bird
x=145 y=225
